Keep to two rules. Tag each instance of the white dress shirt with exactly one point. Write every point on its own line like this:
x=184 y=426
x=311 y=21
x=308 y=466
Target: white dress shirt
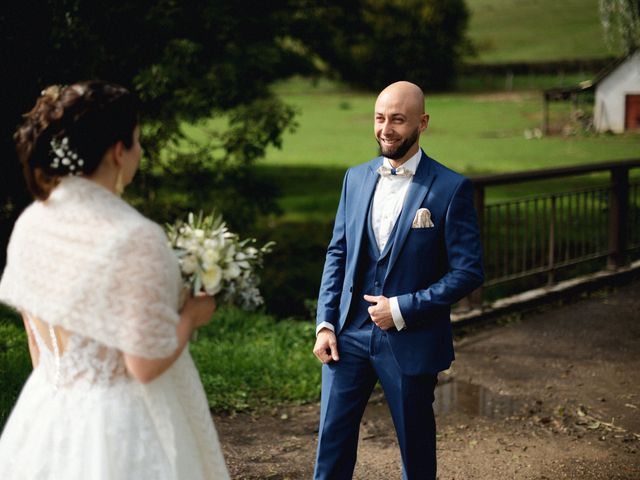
x=388 y=200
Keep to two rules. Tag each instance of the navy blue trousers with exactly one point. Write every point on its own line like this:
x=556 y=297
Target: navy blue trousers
x=365 y=357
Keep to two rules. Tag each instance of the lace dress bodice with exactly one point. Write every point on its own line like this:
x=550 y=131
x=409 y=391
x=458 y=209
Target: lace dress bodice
x=84 y=362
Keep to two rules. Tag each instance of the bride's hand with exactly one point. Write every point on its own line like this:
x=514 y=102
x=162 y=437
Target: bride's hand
x=199 y=309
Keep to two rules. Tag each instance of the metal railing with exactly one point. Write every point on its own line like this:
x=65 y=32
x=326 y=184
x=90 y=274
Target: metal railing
x=534 y=238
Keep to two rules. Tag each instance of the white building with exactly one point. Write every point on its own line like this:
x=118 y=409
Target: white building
x=617 y=102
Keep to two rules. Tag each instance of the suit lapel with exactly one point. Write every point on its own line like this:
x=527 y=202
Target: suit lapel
x=418 y=190
x=367 y=188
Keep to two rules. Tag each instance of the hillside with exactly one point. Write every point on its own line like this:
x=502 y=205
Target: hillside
x=536 y=30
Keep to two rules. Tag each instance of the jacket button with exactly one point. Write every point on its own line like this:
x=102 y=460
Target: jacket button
x=376 y=284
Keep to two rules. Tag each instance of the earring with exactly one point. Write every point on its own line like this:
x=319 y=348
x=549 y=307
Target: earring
x=119 y=183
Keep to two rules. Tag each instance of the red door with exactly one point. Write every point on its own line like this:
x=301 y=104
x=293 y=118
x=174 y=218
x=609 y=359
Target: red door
x=632 y=112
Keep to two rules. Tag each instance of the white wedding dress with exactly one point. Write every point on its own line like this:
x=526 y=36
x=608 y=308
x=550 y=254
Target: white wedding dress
x=95 y=279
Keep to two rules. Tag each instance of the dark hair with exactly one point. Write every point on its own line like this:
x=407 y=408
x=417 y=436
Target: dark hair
x=92 y=116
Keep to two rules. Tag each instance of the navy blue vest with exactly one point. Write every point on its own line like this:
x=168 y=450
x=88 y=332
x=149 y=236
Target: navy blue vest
x=371 y=271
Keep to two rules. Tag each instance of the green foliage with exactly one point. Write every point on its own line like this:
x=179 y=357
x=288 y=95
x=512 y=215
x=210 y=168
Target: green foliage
x=291 y=276
x=621 y=23
x=186 y=60
x=248 y=360
x=239 y=195
x=15 y=363
x=371 y=43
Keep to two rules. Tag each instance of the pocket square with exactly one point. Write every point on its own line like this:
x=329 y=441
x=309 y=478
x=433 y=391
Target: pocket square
x=422 y=219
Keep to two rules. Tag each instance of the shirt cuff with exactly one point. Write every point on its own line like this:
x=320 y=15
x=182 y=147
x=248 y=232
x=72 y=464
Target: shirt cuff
x=322 y=325
x=396 y=314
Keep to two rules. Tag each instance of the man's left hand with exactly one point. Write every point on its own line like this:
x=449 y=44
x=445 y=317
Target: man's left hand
x=380 y=311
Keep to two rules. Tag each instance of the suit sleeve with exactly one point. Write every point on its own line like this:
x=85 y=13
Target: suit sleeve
x=334 y=267
x=464 y=259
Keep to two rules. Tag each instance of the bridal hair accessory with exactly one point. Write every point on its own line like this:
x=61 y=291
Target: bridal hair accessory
x=65 y=158
x=52 y=91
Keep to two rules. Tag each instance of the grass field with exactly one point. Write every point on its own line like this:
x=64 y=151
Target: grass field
x=471 y=133
x=536 y=30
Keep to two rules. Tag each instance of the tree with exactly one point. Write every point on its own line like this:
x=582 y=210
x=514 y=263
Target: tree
x=371 y=43
x=186 y=59
x=621 y=22
x=191 y=60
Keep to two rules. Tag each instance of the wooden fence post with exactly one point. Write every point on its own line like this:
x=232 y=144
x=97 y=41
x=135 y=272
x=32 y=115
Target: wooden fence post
x=618 y=217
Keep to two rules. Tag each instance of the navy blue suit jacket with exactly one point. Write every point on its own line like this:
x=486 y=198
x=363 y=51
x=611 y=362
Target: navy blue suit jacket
x=429 y=268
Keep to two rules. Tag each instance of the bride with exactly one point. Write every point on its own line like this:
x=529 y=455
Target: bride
x=114 y=393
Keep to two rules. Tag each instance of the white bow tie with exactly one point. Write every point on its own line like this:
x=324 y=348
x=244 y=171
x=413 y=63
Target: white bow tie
x=398 y=172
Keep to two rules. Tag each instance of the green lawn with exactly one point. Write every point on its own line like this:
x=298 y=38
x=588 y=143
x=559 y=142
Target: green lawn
x=536 y=30
x=471 y=133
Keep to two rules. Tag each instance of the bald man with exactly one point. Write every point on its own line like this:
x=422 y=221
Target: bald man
x=405 y=247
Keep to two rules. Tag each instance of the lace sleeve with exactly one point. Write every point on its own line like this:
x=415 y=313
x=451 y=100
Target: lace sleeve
x=142 y=293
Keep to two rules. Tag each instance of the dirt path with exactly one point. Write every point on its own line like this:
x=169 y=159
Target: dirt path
x=552 y=396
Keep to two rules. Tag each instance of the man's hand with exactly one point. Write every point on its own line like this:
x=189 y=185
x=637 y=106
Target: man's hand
x=326 y=347
x=380 y=311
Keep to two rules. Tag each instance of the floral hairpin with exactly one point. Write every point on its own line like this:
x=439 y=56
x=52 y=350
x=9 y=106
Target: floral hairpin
x=64 y=155
x=52 y=91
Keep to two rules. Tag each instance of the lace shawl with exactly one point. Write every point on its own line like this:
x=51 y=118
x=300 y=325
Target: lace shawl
x=87 y=261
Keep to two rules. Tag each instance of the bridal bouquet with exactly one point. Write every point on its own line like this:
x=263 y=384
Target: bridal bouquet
x=215 y=261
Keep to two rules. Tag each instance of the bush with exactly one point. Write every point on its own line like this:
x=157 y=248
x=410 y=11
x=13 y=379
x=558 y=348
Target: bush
x=292 y=273
x=250 y=360
x=371 y=43
x=14 y=360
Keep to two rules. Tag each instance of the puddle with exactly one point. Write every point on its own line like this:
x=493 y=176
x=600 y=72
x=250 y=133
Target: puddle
x=470 y=399
x=456 y=396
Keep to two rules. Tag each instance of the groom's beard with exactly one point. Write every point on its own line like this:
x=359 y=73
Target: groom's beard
x=400 y=150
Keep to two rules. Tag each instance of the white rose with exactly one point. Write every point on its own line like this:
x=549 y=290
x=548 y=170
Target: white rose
x=232 y=271
x=212 y=279
x=210 y=243
x=210 y=258
x=189 y=264
x=199 y=233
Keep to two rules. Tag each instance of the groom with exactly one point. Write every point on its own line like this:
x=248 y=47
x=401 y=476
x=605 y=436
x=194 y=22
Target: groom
x=405 y=247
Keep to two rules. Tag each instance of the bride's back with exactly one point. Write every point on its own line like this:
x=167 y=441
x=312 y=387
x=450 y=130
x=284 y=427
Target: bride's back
x=69 y=359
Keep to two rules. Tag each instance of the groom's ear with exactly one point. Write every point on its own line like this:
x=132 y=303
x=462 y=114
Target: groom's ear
x=424 y=122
